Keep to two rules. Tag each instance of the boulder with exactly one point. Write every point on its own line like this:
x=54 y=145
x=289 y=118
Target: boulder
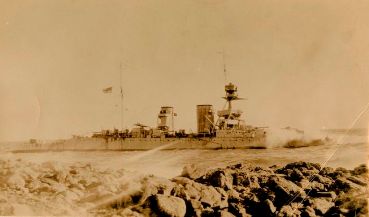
x=169 y=206
x=288 y=211
x=238 y=210
x=304 y=184
x=233 y=195
x=308 y=212
x=326 y=194
x=225 y=213
x=357 y=180
x=321 y=205
x=327 y=171
x=189 y=189
x=285 y=190
x=224 y=198
x=249 y=180
x=360 y=170
x=130 y=213
x=194 y=208
x=317 y=186
x=193 y=172
x=16 y=181
x=339 y=173
x=208 y=212
x=218 y=178
x=155 y=185
x=343 y=185
x=267 y=208
x=210 y=197
x=296 y=175
x=302 y=164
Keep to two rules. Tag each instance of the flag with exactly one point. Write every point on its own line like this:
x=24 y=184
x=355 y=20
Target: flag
x=108 y=90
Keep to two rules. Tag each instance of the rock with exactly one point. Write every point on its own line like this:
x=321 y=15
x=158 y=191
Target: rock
x=326 y=181
x=218 y=178
x=353 y=203
x=304 y=184
x=360 y=170
x=303 y=164
x=248 y=180
x=225 y=213
x=224 y=198
x=336 y=211
x=182 y=180
x=238 y=210
x=321 y=206
x=357 y=180
x=252 y=203
x=285 y=190
x=308 y=212
x=241 y=179
x=342 y=184
x=16 y=181
x=188 y=191
x=317 y=186
x=195 y=208
x=208 y=212
x=296 y=175
x=288 y=211
x=169 y=206
x=207 y=195
x=326 y=171
x=267 y=208
x=233 y=195
x=309 y=174
x=210 y=197
x=155 y=185
x=339 y=173
x=254 y=182
x=329 y=194
x=192 y=171
x=130 y=213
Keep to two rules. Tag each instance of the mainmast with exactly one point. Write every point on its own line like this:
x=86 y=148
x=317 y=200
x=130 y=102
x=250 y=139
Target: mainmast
x=224 y=67
x=121 y=99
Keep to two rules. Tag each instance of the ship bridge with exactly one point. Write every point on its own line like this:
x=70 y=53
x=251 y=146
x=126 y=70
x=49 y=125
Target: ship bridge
x=231 y=114
x=229 y=118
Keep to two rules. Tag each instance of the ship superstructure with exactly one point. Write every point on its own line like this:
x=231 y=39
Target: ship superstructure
x=230 y=123
x=229 y=131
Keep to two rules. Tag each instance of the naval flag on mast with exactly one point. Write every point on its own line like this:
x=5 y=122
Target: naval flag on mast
x=108 y=90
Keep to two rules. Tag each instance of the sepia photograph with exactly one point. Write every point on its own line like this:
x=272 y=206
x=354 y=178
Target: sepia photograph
x=192 y=108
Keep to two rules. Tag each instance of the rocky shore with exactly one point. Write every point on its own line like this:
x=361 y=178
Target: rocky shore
x=295 y=189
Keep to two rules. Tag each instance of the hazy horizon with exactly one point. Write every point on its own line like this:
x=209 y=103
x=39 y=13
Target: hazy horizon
x=301 y=64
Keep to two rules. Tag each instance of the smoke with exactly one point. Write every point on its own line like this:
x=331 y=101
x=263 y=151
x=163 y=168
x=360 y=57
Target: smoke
x=292 y=137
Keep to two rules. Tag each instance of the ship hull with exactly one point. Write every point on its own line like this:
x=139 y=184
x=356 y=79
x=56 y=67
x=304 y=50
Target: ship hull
x=142 y=144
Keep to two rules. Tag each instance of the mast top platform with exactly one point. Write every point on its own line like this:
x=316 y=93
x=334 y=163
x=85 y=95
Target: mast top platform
x=231 y=92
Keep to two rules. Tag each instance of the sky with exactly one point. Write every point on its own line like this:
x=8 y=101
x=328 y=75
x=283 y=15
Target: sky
x=299 y=63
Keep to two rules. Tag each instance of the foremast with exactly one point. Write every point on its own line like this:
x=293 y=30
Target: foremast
x=230 y=118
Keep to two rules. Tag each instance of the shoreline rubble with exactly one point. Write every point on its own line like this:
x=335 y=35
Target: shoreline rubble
x=296 y=189
x=243 y=189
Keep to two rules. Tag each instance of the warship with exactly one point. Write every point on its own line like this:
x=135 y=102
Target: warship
x=229 y=132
